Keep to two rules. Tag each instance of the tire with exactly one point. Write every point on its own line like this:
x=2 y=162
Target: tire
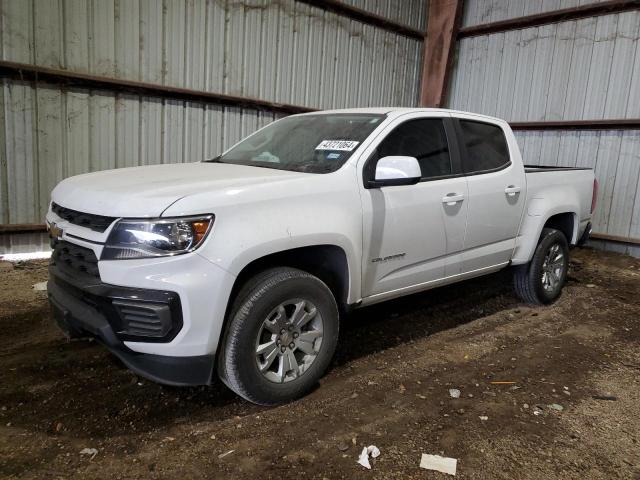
x=276 y=301
x=529 y=280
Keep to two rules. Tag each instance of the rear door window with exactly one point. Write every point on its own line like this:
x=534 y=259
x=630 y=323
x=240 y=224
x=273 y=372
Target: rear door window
x=486 y=147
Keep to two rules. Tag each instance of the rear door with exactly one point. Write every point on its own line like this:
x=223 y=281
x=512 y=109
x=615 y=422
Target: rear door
x=496 y=193
x=409 y=231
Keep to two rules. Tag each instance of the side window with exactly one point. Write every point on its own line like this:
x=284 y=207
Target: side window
x=486 y=146
x=424 y=139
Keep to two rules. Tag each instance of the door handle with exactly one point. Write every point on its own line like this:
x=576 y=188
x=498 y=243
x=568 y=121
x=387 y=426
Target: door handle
x=511 y=190
x=452 y=198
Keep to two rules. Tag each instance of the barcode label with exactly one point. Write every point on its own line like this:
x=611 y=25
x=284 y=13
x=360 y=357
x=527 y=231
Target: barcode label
x=346 y=145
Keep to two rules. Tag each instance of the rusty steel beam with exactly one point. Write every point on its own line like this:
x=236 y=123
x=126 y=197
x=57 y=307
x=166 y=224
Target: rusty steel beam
x=615 y=238
x=439 y=47
x=22 y=227
x=365 y=17
x=563 y=15
x=614 y=124
x=69 y=79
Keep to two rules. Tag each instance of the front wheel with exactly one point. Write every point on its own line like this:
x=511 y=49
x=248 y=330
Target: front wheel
x=541 y=280
x=281 y=337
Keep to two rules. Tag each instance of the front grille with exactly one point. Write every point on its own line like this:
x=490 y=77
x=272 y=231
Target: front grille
x=73 y=259
x=96 y=223
x=146 y=320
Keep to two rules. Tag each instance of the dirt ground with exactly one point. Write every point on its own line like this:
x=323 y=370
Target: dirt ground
x=389 y=386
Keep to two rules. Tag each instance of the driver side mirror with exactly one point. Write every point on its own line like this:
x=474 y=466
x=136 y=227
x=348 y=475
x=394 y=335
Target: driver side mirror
x=396 y=170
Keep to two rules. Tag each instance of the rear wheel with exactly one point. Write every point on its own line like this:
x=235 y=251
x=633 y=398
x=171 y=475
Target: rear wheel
x=542 y=279
x=281 y=338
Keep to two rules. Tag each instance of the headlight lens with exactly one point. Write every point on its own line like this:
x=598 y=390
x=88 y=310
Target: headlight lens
x=156 y=238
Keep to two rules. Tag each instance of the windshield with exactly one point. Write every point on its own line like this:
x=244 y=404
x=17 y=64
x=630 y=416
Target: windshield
x=306 y=143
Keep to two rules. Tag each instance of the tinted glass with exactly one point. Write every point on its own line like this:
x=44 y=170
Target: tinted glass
x=306 y=143
x=424 y=139
x=486 y=146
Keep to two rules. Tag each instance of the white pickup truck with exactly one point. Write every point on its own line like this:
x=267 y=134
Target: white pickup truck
x=242 y=265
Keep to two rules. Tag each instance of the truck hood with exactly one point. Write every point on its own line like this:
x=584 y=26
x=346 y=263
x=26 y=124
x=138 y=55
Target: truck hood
x=148 y=191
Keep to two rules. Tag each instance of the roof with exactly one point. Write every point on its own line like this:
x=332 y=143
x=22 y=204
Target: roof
x=376 y=110
x=401 y=110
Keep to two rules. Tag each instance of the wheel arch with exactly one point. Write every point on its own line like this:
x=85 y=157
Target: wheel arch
x=564 y=221
x=327 y=262
x=563 y=218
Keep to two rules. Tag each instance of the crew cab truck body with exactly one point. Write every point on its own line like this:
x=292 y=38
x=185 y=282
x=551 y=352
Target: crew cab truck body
x=241 y=265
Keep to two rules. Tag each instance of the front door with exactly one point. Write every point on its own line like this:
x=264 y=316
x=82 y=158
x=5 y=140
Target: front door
x=411 y=230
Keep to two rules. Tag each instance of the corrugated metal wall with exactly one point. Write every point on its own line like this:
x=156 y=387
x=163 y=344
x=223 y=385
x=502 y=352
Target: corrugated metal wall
x=281 y=51
x=578 y=70
x=406 y=12
x=477 y=12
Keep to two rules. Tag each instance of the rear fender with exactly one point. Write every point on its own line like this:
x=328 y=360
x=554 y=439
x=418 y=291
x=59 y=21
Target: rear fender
x=539 y=211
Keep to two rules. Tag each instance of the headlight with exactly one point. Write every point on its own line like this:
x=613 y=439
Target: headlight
x=156 y=238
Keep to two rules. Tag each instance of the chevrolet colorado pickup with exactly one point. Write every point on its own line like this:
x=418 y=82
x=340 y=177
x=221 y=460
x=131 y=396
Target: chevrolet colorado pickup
x=242 y=265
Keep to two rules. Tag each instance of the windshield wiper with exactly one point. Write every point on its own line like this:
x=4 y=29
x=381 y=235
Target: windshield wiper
x=214 y=160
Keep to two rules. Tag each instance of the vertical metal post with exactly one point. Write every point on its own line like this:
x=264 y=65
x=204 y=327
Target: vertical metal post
x=439 y=48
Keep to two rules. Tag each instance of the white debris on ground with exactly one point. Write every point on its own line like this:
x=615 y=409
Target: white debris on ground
x=454 y=393
x=40 y=287
x=89 y=451
x=222 y=455
x=370 y=451
x=439 y=464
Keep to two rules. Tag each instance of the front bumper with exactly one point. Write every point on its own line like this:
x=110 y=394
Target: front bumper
x=87 y=307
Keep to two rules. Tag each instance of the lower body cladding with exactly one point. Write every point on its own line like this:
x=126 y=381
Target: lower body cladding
x=164 y=324
x=586 y=233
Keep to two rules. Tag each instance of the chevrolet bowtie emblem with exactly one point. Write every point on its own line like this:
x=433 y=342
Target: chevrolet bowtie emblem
x=55 y=231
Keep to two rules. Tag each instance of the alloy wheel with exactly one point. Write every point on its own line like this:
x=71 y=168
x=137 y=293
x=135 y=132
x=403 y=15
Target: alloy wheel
x=553 y=268
x=289 y=340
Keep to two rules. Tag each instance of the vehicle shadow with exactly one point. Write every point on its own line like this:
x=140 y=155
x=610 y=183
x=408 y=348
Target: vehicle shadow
x=79 y=389
x=392 y=323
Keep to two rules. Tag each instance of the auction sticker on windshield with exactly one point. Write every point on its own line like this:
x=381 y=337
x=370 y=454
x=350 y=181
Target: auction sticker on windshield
x=346 y=145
